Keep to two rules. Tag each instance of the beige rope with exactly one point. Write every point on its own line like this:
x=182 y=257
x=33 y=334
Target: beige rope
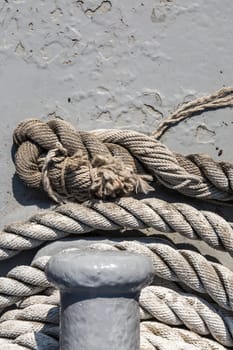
x=72 y=165
x=36 y=341
x=149 y=341
x=186 y=266
x=219 y=99
x=41 y=320
x=176 y=309
x=110 y=163
x=181 y=338
x=125 y=213
x=22 y=281
x=153 y=336
x=160 y=303
x=170 y=263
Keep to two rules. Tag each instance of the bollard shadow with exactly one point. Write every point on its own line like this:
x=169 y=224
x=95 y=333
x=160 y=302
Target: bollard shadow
x=50 y=329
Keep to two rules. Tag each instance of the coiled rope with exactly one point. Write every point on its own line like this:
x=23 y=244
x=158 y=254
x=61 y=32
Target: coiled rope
x=161 y=303
x=154 y=336
x=170 y=263
x=74 y=165
x=108 y=164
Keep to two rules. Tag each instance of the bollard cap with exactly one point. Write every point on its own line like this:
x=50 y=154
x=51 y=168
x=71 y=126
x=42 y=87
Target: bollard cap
x=106 y=270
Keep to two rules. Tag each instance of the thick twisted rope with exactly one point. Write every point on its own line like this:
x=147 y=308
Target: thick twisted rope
x=36 y=327
x=71 y=165
x=107 y=163
x=186 y=266
x=23 y=281
x=170 y=263
x=153 y=335
x=176 y=309
x=181 y=338
x=125 y=213
x=156 y=302
x=219 y=99
x=31 y=340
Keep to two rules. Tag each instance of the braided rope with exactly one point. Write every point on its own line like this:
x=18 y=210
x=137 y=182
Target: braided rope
x=109 y=163
x=125 y=213
x=39 y=324
x=22 y=281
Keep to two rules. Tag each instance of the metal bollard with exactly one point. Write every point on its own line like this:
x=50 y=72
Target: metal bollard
x=99 y=298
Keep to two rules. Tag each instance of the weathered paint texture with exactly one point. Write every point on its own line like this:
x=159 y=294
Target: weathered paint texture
x=103 y=64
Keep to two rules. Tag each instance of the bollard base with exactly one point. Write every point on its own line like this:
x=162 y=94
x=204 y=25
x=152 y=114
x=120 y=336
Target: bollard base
x=99 y=323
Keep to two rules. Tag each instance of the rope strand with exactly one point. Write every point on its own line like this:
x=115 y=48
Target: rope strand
x=124 y=213
x=72 y=165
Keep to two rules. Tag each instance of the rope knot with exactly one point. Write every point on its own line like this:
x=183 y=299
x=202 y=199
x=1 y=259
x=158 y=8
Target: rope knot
x=108 y=177
x=111 y=178
x=75 y=166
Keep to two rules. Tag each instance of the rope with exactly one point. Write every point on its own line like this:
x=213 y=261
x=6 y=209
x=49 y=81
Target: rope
x=72 y=165
x=176 y=338
x=32 y=317
x=170 y=263
x=22 y=281
x=154 y=335
x=182 y=309
x=104 y=164
x=156 y=302
x=219 y=99
x=148 y=341
x=124 y=213
x=185 y=266
x=32 y=340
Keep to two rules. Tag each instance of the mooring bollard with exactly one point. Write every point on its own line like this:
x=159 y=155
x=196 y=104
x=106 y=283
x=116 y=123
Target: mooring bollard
x=99 y=298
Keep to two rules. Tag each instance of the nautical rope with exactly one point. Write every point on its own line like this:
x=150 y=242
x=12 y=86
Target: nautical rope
x=170 y=263
x=31 y=340
x=149 y=341
x=199 y=316
x=156 y=302
x=22 y=281
x=186 y=266
x=110 y=163
x=104 y=164
x=219 y=99
x=124 y=213
x=41 y=321
x=177 y=338
x=153 y=335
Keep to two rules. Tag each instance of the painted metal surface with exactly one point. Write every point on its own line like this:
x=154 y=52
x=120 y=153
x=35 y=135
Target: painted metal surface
x=99 y=297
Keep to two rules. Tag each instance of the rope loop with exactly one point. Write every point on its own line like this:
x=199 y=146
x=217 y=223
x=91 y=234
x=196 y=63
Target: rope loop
x=71 y=165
